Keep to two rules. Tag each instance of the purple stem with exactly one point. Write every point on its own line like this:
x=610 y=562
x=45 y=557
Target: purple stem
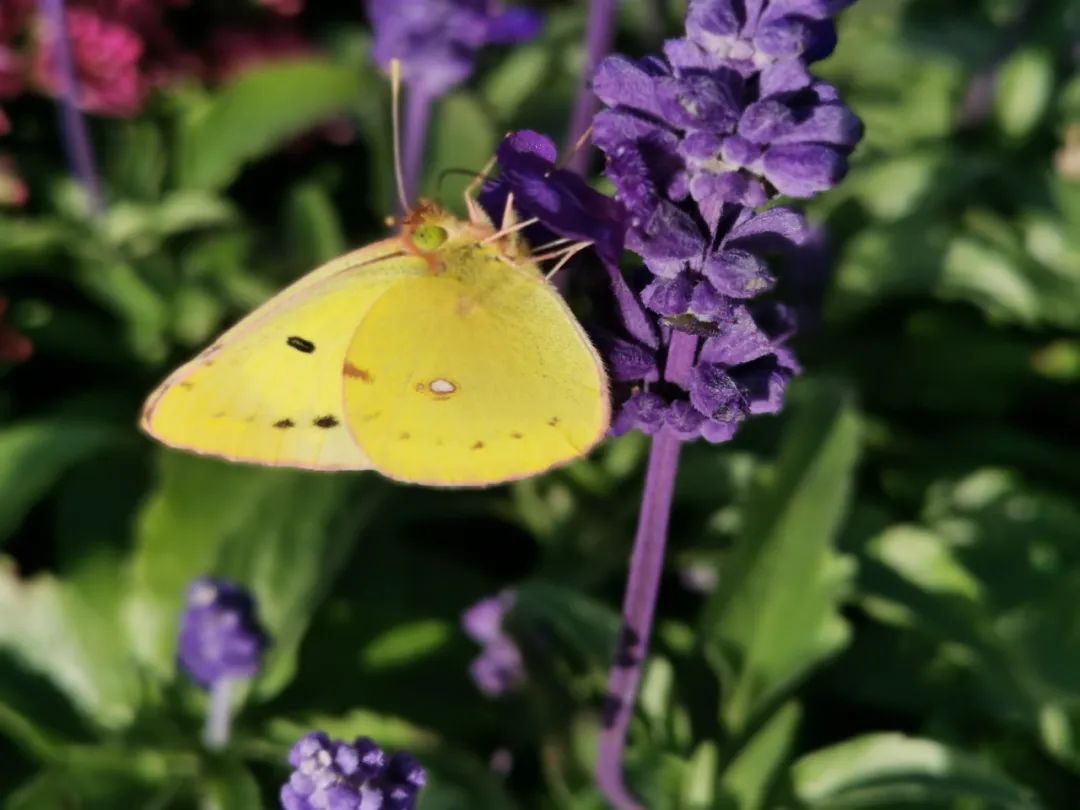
x=642 y=587
x=417 y=119
x=598 y=38
x=76 y=138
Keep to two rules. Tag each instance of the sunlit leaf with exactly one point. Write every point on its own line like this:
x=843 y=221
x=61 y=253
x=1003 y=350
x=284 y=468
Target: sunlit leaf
x=890 y=770
x=774 y=615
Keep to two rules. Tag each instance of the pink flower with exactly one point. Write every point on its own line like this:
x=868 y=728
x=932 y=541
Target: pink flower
x=234 y=50
x=12 y=71
x=286 y=8
x=107 y=54
x=13 y=16
x=14 y=348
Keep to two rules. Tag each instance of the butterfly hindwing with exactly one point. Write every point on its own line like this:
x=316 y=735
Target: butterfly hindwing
x=269 y=391
x=472 y=377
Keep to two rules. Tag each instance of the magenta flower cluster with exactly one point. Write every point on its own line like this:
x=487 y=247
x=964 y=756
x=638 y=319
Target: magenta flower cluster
x=220 y=634
x=336 y=775
x=123 y=50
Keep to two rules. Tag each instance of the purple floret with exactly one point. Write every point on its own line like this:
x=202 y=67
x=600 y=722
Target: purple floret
x=220 y=634
x=566 y=205
x=499 y=668
x=437 y=40
x=336 y=775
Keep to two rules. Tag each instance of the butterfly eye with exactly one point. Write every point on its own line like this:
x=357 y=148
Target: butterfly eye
x=429 y=237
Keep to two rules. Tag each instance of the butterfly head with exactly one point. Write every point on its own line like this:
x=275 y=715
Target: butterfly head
x=434 y=234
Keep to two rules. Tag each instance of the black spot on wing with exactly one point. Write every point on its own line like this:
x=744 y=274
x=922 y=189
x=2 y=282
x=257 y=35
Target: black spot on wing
x=326 y=422
x=301 y=345
x=284 y=424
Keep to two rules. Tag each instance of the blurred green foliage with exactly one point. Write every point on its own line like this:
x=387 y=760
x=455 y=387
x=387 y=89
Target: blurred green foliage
x=895 y=617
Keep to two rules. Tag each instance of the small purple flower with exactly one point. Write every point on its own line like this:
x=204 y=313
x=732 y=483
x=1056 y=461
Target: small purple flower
x=564 y=203
x=499 y=669
x=335 y=775
x=760 y=32
x=220 y=634
x=437 y=40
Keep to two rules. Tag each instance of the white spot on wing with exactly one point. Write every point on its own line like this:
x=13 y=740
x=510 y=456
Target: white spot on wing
x=441 y=386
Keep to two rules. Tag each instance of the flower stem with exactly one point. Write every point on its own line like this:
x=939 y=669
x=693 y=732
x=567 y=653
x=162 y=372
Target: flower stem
x=218 y=715
x=639 y=603
x=417 y=119
x=642 y=587
x=76 y=138
x=599 y=35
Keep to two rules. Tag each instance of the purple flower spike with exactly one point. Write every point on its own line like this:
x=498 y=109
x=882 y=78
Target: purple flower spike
x=220 y=634
x=719 y=121
x=437 y=40
x=499 y=669
x=336 y=775
x=698 y=143
x=564 y=203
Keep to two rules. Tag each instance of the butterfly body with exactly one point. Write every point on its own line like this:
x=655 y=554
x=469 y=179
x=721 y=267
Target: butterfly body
x=441 y=356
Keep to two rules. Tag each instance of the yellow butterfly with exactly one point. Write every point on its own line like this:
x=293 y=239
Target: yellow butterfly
x=442 y=356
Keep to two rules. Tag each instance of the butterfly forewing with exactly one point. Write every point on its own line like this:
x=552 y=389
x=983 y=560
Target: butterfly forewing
x=269 y=390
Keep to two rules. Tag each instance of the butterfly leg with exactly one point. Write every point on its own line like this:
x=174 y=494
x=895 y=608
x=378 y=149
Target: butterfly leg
x=567 y=255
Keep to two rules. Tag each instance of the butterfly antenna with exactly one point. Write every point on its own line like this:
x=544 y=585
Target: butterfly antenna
x=395 y=94
x=578 y=146
x=477 y=216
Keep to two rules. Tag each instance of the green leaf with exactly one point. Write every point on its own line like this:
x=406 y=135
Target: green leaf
x=103 y=779
x=992 y=580
x=746 y=781
x=143 y=310
x=407 y=643
x=1025 y=88
x=314 y=229
x=136 y=159
x=33 y=455
x=140 y=229
x=523 y=72
x=890 y=770
x=390 y=732
x=775 y=614
x=462 y=137
x=31 y=244
x=281 y=533
x=699 y=782
x=256 y=114
x=586 y=626
x=230 y=787
x=52 y=630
